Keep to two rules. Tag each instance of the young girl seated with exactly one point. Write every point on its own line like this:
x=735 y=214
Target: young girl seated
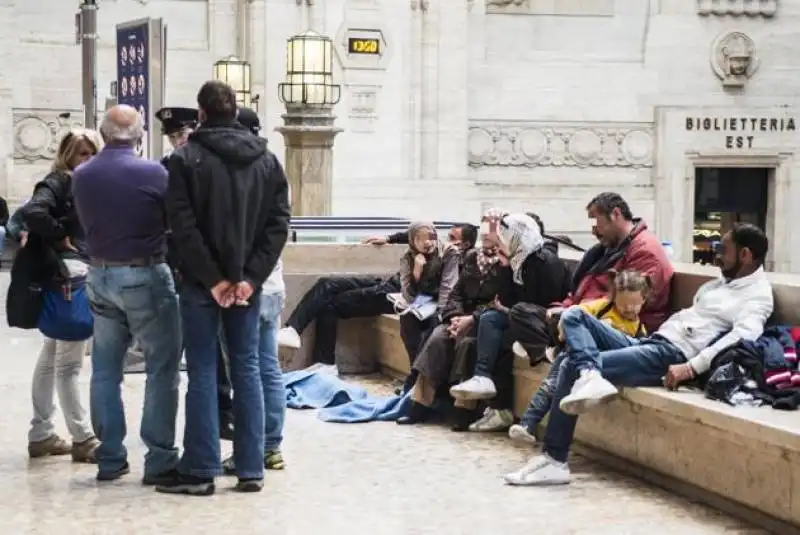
x=620 y=310
x=429 y=268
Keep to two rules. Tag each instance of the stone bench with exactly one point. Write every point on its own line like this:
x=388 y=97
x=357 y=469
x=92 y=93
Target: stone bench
x=745 y=461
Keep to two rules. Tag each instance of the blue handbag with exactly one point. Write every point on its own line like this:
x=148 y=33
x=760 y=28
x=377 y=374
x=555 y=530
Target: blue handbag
x=65 y=312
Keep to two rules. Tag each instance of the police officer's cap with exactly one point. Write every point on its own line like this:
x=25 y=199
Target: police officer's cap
x=174 y=120
x=249 y=119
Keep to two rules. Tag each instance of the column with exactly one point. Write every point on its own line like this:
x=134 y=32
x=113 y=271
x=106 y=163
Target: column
x=308 y=134
x=783 y=238
x=451 y=87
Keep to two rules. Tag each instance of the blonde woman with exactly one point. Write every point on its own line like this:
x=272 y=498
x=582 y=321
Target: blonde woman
x=55 y=251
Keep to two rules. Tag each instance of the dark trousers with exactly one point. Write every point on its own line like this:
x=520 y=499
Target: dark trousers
x=335 y=298
x=492 y=327
x=201 y=446
x=414 y=333
x=503 y=377
x=224 y=389
x=502 y=371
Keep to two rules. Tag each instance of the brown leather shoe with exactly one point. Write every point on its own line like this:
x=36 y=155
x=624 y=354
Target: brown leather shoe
x=52 y=445
x=83 y=452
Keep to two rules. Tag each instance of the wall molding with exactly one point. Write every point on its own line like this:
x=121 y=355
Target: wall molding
x=752 y=8
x=560 y=144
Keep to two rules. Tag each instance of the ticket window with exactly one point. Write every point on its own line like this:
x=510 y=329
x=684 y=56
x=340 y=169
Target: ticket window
x=725 y=196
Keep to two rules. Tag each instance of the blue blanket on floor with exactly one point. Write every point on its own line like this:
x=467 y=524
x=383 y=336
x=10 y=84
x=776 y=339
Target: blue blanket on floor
x=339 y=401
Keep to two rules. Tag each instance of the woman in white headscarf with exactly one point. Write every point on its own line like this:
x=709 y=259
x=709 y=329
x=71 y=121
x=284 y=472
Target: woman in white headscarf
x=539 y=277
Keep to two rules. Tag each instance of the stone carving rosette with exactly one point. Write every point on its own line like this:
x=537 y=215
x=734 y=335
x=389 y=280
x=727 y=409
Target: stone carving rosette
x=37 y=132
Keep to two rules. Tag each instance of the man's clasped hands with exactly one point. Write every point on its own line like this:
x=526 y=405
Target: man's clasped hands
x=228 y=294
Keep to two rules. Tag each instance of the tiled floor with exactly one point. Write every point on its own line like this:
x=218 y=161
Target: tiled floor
x=376 y=479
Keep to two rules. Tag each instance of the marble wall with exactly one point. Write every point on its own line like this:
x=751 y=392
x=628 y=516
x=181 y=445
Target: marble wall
x=532 y=104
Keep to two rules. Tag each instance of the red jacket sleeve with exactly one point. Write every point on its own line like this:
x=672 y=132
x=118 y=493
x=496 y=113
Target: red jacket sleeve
x=653 y=262
x=647 y=256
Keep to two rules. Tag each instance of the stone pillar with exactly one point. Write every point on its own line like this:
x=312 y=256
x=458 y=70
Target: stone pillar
x=308 y=134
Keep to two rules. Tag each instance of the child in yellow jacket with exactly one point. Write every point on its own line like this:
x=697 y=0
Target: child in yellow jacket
x=620 y=310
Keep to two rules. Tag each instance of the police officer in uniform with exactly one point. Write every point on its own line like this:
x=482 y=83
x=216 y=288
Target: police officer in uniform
x=177 y=124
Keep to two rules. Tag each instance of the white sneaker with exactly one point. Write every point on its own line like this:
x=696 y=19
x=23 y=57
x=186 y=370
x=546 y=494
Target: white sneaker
x=492 y=420
x=478 y=387
x=589 y=391
x=542 y=471
x=519 y=350
x=518 y=433
x=288 y=337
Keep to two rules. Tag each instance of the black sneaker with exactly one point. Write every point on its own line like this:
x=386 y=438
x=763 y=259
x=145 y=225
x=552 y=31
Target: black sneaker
x=417 y=413
x=249 y=485
x=116 y=474
x=164 y=478
x=185 y=484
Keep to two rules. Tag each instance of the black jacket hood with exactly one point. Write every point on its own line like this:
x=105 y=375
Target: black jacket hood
x=232 y=142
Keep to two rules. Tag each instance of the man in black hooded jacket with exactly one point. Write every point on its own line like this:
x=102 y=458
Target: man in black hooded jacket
x=177 y=123
x=229 y=212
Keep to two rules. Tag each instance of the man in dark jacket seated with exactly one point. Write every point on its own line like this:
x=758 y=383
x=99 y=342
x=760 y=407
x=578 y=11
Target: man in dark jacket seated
x=361 y=296
x=625 y=243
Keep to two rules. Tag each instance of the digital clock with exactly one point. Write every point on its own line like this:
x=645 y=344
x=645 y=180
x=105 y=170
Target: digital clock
x=359 y=45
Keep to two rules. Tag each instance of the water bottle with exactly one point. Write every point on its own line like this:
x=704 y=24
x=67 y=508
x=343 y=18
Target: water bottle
x=667 y=245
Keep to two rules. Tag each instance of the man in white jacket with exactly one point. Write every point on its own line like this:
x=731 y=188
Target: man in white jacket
x=725 y=311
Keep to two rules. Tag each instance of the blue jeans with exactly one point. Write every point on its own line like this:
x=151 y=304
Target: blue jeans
x=492 y=326
x=201 y=317
x=542 y=400
x=140 y=303
x=2 y=240
x=623 y=360
x=271 y=374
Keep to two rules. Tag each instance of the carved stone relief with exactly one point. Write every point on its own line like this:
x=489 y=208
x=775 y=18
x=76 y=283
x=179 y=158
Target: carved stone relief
x=753 y=8
x=585 y=8
x=560 y=144
x=734 y=59
x=362 y=104
x=37 y=132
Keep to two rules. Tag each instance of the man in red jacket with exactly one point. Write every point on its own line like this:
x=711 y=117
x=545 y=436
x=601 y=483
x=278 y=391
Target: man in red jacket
x=625 y=243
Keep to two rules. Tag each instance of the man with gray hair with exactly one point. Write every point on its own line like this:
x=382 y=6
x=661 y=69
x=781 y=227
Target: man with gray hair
x=120 y=199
